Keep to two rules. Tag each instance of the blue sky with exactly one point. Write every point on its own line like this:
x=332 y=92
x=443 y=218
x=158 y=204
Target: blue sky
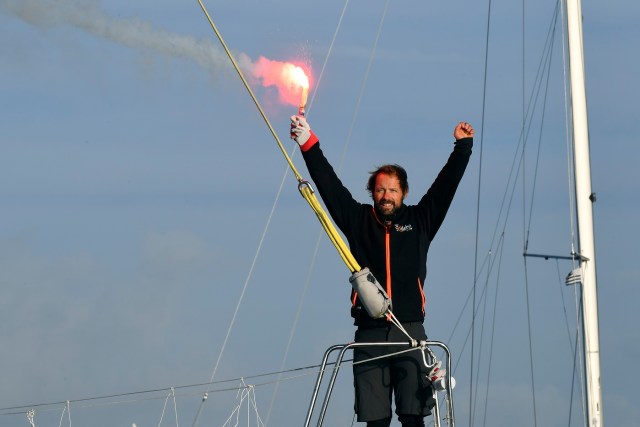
x=138 y=183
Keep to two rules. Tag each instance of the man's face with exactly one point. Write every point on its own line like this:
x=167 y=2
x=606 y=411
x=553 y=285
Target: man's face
x=387 y=194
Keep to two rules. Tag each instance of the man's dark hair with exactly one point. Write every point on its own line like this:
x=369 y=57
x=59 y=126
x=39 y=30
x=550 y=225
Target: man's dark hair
x=391 y=170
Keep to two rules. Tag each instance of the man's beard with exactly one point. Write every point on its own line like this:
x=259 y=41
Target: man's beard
x=386 y=207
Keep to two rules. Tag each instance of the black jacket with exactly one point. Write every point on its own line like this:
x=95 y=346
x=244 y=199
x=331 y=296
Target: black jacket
x=407 y=235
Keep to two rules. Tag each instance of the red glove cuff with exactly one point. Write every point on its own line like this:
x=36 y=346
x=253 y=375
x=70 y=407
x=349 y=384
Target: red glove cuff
x=313 y=140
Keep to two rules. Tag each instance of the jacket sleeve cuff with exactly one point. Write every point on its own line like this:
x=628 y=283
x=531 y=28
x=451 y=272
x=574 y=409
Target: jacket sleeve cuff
x=464 y=141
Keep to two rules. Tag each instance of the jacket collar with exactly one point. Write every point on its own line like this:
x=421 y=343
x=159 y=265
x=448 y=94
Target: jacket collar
x=386 y=220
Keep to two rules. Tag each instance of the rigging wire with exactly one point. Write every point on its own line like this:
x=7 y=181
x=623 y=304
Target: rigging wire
x=363 y=85
x=545 y=63
x=520 y=167
x=86 y=401
x=493 y=328
x=481 y=299
x=572 y=191
x=172 y=393
x=580 y=350
x=517 y=169
x=572 y=341
x=527 y=227
x=531 y=365
x=568 y=134
x=558 y=12
x=517 y=160
x=89 y=402
x=67 y=409
x=484 y=299
x=247 y=392
x=526 y=273
x=477 y=231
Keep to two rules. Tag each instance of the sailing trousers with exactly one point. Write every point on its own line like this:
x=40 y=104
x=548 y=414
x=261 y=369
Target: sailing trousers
x=403 y=376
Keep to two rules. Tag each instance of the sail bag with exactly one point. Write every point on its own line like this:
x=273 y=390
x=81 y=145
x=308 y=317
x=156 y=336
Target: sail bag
x=373 y=296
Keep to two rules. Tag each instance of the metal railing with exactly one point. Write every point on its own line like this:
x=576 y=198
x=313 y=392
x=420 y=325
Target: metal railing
x=342 y=348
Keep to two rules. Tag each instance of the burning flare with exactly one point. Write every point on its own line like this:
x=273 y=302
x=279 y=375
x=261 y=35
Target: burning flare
x=291 y=81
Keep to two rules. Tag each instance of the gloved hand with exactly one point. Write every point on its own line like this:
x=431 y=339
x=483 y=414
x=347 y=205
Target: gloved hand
x=301 y=132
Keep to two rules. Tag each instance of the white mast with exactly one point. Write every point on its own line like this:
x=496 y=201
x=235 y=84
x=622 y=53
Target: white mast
x=584 y=200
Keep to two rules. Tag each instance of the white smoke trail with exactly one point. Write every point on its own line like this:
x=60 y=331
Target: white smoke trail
x=87 y=15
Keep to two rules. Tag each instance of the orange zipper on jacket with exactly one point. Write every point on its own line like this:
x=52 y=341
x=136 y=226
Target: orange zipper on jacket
x=387 y=251
x=387 y=255
x=422 y=296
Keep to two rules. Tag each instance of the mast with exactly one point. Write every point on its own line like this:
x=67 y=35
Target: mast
x=584 y=201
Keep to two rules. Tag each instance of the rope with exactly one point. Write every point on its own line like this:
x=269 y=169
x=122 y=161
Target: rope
x=164 y=408
x=246 y=392
x=304 y=188
x=67 y=409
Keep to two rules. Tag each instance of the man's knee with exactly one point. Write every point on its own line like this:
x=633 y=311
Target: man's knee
x=385 y=422
x=411 y=420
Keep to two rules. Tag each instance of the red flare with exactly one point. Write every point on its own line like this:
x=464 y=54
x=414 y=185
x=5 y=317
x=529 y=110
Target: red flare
x=291 y=80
